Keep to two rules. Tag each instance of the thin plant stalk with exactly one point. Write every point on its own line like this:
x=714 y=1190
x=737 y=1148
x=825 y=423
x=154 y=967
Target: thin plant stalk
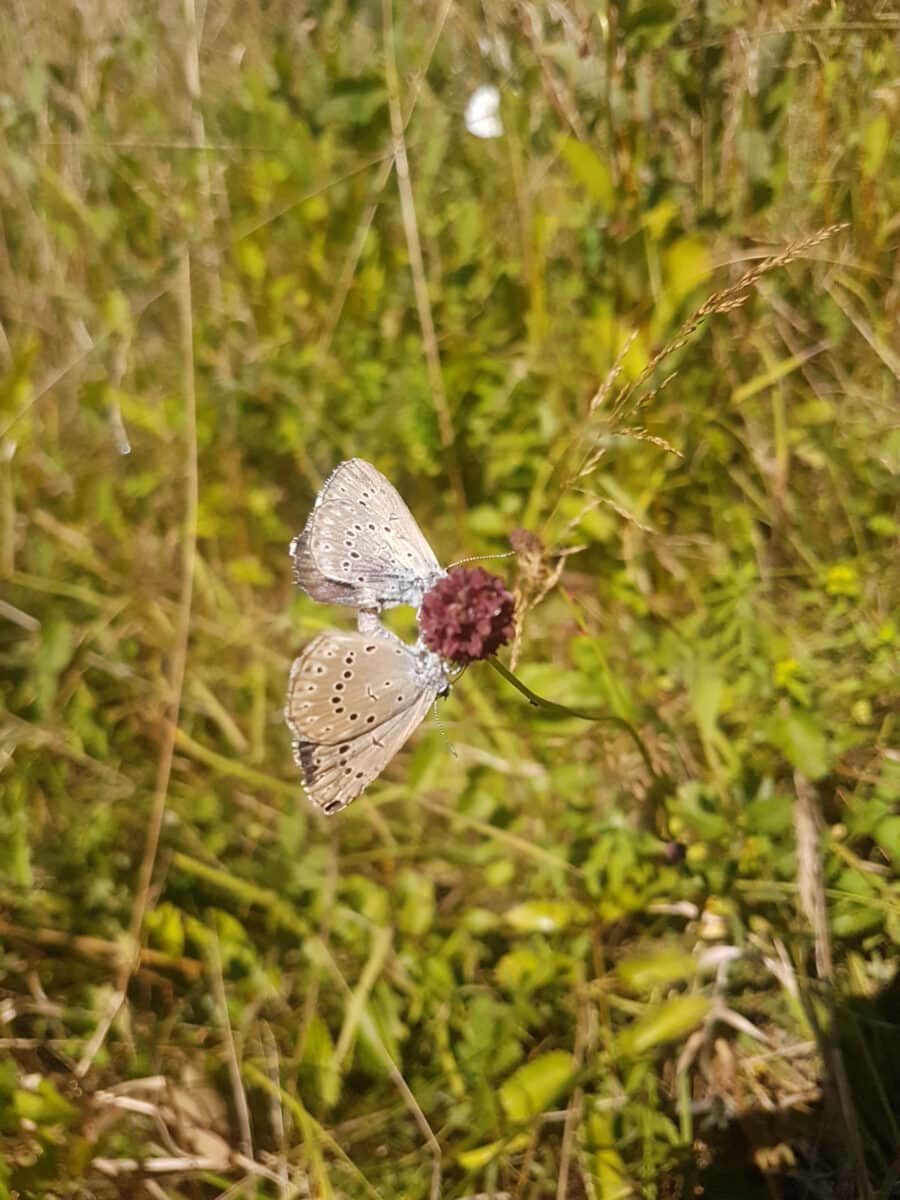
x=564 y=710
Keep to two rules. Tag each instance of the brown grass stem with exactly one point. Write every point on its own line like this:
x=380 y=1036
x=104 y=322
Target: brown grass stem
x=239 y=1096
x=355 y=249
x=417 y=262
x=176 y=676
x=369 y=1028
x=89 y=946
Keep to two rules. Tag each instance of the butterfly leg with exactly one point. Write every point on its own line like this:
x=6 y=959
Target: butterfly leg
x=368 y=624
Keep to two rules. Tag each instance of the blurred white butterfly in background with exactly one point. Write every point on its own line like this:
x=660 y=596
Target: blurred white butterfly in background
x=483 y=112
x=354 y=698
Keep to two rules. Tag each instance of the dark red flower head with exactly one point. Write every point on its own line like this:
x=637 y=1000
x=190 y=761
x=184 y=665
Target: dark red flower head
x=467 y=615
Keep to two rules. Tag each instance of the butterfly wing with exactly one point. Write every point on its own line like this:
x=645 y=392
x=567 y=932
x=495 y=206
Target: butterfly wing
x=361 y=545
x=352 y=703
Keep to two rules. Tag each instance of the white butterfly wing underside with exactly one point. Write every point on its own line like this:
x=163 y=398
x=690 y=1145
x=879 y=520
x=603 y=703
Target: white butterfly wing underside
x=352 y=703
x=361 y=545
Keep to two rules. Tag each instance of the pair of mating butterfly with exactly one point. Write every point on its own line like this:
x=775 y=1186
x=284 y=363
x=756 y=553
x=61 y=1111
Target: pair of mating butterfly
x=354 y=698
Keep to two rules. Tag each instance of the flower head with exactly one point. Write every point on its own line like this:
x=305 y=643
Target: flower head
x=467 y=615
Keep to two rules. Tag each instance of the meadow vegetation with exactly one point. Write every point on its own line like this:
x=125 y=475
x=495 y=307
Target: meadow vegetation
x=654 y=324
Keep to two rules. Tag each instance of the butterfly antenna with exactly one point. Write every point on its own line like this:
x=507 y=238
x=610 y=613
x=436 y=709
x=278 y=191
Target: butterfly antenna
x=443 y=730
x=479 y=557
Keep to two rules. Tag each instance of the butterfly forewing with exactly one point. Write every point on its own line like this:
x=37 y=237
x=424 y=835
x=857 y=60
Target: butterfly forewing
x=361 y=545
x=352 y=702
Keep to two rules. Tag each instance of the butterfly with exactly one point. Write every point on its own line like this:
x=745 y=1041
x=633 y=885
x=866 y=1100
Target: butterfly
x=362 y=547
x=353 y=700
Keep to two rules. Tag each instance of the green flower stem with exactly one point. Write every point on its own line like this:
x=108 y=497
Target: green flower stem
x=563 y=710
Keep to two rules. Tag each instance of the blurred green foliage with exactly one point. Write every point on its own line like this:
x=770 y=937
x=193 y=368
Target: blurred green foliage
x=502 y=942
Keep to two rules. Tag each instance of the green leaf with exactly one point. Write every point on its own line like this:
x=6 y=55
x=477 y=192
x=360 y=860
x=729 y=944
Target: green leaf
x=666 y=1023
x=590 y=171
x=541 y=916
x=247 y=568
x=320 y=1067
x=117 y=312
x=876 y=140
x=536 y=1085
x=650 y=14
x=52 y=658
x=417 y=911
x=687 y=266
x=251 y=259
x=802 y=740
x=44 y=1105
x=642 y=974
x=851 y=919
x=165 y=928
x=526 y=968
x=609 y=1170
x=706 y=698
x=353 y=102
x=479 y=1157
x=887 y=835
